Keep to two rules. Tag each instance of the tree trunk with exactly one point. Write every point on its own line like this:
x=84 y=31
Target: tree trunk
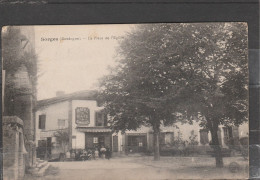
x=156 y=144
x=216 y=146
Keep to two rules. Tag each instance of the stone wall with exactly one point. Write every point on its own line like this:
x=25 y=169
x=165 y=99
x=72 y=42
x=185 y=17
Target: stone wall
x=13 y=148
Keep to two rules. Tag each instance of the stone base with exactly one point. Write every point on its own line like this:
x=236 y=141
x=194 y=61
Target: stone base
x=39 y=169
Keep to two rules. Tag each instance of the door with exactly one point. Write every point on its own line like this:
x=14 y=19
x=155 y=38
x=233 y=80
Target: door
x=89 y=140
x=101 y=141
x=41 y=150
x=136 y=143
x=49 y=145
x=115 y=143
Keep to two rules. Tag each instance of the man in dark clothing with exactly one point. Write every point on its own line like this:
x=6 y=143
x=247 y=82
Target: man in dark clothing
x=108 y=153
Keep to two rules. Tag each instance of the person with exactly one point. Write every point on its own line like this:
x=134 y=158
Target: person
x=96 y=153
x=77 y=155
x=68 y=155
x=102 y=151
x=108 y=153
x=73 y=154
x=83 y=156
x=89 y=154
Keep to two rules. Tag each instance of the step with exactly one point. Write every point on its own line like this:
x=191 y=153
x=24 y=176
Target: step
x=33 y=170
x=42 y=170
x=40 y=165
x=40 y=161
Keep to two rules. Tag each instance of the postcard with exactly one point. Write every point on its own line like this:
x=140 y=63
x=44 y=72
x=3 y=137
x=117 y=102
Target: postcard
x=126 y=101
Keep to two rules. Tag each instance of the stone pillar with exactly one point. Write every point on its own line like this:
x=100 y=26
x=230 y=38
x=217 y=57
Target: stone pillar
x=123 y=142
x=209 y=136
x=24 y=109
x=221 y=137
x=198 y=137
x=13 y=148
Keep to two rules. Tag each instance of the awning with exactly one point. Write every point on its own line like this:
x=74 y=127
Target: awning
x=93 y=129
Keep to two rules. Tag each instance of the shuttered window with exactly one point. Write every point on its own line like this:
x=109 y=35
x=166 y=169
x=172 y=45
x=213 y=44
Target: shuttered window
x=42 y=121
x=100 y=119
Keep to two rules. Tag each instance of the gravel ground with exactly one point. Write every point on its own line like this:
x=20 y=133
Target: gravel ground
x=144 y=168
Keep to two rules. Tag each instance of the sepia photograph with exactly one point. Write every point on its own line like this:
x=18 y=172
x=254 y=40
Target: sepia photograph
x=149 y=101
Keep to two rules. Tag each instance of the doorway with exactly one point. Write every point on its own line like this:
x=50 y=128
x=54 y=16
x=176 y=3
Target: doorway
x=101 y=141
x=136 y=143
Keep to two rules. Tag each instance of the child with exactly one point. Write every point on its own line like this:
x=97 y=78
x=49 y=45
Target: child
x=103 y=151
x=96 y=154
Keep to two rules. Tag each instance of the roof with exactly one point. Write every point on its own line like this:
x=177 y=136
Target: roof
x=81 y=95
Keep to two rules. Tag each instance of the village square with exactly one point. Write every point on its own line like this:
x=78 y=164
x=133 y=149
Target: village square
x=153 y=101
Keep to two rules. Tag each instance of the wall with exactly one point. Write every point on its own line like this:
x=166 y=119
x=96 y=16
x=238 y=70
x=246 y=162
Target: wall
x=184 y=129
x=243 y=130
x=53 y=113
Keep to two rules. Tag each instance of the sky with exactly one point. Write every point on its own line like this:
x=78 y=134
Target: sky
x=73 y=58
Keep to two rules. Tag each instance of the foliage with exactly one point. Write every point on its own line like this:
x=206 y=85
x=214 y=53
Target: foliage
x=217 y=90
x=14 y=53
x=62 y=138
x=179 y=142
x=170 y=72
x=193 y=140
x=16 y=57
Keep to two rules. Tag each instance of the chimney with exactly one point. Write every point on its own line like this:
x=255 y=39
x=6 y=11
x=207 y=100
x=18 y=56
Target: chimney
x=60 y=93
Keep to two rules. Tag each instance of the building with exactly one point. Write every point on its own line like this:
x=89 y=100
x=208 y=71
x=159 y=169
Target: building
x=76 y=113
x=188 y=134
x=79 y=115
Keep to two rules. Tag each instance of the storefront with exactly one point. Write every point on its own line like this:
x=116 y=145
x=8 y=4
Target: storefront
x=136 y=142
x=98 y=140
x=96 y=137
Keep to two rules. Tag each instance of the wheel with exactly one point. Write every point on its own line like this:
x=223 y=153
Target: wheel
x=234 y=167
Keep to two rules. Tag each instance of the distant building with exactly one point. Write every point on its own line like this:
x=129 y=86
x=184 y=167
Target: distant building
x=79 y=114
x=142 y=139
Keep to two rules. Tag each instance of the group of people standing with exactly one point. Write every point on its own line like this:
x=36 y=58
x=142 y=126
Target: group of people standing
x=103 y=153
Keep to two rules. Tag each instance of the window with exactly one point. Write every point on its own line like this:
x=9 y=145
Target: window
x=95 y=139
x=100 y=119
x=162 y=138
x=61 y=123
x=42 y=121
x=227 y=135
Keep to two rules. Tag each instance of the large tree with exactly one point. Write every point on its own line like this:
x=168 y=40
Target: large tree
x=140 y=89
x=215 y=56
x=197 y=70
